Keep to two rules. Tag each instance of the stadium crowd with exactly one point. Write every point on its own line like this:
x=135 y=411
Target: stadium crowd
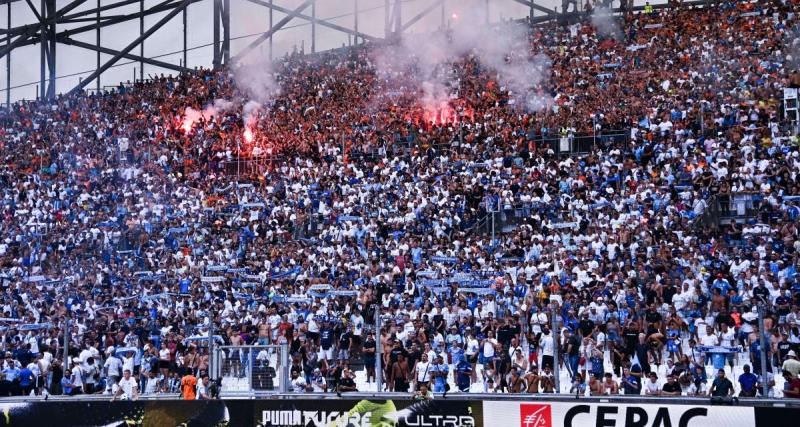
x=146 y=235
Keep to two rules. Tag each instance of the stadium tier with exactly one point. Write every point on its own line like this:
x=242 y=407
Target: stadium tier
x=600 y=205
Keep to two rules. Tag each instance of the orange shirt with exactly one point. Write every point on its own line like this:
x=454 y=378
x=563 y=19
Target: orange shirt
x=188 y=384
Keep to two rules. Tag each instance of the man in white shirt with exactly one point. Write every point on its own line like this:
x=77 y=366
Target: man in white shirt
x=203 y=392
x=127 y=387
x=151 y=386
x=298 y=382
x=710 y=339
x=547 y=344
x=422 y=372
x=651 y=387
x=113 y=368
x=90 y=375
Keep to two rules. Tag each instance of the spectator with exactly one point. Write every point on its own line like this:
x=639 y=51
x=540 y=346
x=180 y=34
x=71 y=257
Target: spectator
x=791 y=364
x=651 y=387
x=189 y=387
x=298 y=382
x=346 y=384
x=792 y=387
x=127 y=388
x=203 y=392
x=748 y=383
x=439 y=373
x=722 y=386
x=423 y=394
x=671 y=387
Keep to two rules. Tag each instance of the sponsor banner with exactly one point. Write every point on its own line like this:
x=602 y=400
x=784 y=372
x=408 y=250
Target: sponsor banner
x=563 y=414
x=123 y=413
x=776 y=416
x=358 y=413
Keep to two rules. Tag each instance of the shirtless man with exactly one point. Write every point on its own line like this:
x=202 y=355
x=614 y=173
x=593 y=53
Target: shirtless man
x=263 y=332
x=595 y=386
x=546 y=379
x=610 y=386
x=532 y=379
x=236 y=364
x=515 y=383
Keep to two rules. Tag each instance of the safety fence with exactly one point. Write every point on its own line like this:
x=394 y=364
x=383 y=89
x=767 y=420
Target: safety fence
x=298 y=410
x=243 y=370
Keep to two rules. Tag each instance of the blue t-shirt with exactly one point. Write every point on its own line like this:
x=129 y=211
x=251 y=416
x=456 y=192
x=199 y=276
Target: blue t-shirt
x=326 y=338
x=11 y=374
x=25 y=377
x=463 y=374
x=748 y=381
x=66 y=385
x=440 y=381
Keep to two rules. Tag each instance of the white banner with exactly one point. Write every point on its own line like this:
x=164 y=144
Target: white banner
x=562 y=414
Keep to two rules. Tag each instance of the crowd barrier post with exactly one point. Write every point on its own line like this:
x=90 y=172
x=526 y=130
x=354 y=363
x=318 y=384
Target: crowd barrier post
x=764 y=354
x=556 y=333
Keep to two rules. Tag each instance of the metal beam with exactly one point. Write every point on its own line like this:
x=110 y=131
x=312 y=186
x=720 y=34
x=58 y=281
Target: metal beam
x=8 y=58
x=132 y=57
x=293 y=14
x=320 y=22
x=51 y=49
x=398 y=17
x=386 y=20
x=185 y=29
x=35 y=12
x=271 y=10
x=217 y=11
x=422 y=14
x=32 y=29
x=42 y=48
x=132 y=45
x=533 y=5
x=355 y=22
x=314 y=27
x=97 y=43
x=163 y=7
x=226 y=31
x=141 y=45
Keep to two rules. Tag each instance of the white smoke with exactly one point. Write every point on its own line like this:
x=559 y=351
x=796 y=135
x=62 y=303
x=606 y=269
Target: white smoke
x=250 y=112
x=211 y=112
x=605 y=23
x=257 y=80
x=426 y=61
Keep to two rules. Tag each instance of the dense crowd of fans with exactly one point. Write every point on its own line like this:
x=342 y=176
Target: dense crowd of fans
x=146 y=234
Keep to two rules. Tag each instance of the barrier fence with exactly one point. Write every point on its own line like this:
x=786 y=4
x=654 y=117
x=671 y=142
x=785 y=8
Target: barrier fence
x=244 y=370
x=350 y=411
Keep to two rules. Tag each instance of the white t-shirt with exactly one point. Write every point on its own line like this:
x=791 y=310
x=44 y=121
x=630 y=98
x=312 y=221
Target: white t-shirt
x=726 y=338
x=488 y=347
x=127 y=364
x=89 y=373
x=127 y=385
x=547 y=345
x=424 y=371
x=201 y=390
x=77 y=376
x=299 y=384
x=113 y=366
x=358 y=325
x=651 y=387
x=472 y=347
x=709 y=340
x=151 y=386
x=84 y=356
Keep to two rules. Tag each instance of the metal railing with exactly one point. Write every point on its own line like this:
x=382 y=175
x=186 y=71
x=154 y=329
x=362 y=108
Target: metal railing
x=727 y=208
x=246 y=370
